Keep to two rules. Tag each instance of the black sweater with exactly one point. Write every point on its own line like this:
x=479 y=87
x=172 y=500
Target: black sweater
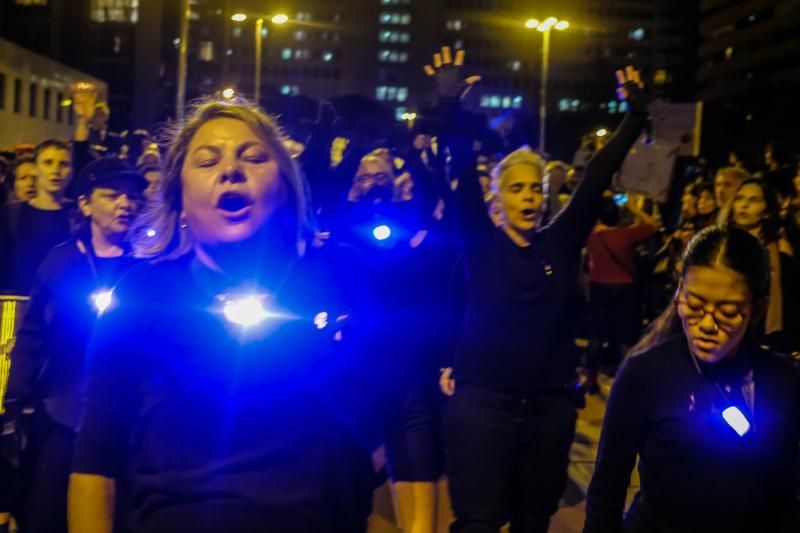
x=26 y=235
x=193 y=411
x=48 y=357
x=520 y=304
x=696 y=474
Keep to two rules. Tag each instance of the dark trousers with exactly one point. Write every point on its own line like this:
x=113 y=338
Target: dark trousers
x=46 y=470
x=615 y=323
x=507 y=456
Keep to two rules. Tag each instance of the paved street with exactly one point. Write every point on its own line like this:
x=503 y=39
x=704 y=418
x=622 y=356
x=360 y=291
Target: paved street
x=570 y=517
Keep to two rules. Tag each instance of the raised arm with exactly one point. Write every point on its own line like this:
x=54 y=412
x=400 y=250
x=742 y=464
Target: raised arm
x=577 y=219
x=456 y=135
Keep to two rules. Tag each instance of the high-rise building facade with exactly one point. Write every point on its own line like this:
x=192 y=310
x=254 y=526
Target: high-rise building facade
x=748 y=74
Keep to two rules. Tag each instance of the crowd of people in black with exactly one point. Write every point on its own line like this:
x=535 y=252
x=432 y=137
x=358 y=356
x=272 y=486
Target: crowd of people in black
x=224 y=324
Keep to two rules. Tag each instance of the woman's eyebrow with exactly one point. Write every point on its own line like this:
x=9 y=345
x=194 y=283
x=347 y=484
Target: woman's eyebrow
x=208 y=147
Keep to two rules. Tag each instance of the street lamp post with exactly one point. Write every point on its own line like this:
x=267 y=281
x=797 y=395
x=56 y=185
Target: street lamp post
x=545 y=28
x=276 y=19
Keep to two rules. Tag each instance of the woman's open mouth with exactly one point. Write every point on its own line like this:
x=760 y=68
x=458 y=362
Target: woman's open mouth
x=529 y=214
x=235 y=206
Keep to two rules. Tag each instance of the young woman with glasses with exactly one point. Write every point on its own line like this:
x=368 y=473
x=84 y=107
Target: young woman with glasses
x=712 y=416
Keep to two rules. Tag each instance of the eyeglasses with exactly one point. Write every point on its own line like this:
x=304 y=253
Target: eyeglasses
x=726 y=315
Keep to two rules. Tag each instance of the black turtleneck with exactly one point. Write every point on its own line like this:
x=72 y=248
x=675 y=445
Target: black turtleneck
x=696 y=473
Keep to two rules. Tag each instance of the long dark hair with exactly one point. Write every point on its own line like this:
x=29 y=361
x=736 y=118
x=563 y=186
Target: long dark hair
x=771 y=224
x=715 y=246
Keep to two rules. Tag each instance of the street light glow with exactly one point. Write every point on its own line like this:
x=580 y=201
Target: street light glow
x=562 y=25
x=551 y=21
x=239 y=17
x=409 y=116
x=531 y=24
x=602 y=132
x=229 y=93
x=280 y=19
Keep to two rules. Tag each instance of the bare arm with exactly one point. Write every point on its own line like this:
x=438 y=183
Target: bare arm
x=90 y=503
x=640 y=215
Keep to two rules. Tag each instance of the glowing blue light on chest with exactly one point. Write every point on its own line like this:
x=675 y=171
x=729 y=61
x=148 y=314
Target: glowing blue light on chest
x=382 y=232
x=734 y=417
x=101 y=300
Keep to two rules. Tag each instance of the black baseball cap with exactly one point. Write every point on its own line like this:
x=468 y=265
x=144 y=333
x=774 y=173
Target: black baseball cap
x=107 y=172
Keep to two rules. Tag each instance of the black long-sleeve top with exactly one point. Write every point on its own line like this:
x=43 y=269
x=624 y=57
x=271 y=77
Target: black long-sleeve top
x=48 y=357
x=189 y=408
x=520 y=304
x=696 y=473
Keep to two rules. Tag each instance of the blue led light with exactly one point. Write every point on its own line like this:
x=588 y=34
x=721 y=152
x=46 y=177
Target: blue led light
x=102 y=300
x=381 y=233
x=247 y=311
x=151 y=233
x=736 y=420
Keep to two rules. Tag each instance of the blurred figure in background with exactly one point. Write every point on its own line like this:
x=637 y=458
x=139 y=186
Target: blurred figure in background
x=29 y=230
x=615 y=300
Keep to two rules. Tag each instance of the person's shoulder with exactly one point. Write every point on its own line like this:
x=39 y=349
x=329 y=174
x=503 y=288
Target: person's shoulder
x=654 y=360
x=779 y=367
x=153 y=277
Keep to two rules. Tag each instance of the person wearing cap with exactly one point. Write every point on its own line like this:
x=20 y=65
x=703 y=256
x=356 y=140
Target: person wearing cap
x=72 y=287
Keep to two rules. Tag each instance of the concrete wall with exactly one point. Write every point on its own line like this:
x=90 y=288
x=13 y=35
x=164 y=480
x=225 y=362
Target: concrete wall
x=19 y=70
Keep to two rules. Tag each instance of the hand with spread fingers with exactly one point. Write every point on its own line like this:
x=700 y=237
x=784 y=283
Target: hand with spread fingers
x=631 y=90
x=84 y=99
x=446 y=72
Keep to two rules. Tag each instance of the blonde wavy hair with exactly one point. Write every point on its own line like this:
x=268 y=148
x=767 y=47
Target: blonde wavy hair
x=162 y=215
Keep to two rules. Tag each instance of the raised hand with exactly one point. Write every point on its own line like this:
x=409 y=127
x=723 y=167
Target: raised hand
x=631 y=90
x=446 y=72
x=84 y=99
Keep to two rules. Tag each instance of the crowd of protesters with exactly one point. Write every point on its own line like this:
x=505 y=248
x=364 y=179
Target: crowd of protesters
x=224 y=324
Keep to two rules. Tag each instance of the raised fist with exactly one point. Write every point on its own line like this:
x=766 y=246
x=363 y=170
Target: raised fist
x=84 y=99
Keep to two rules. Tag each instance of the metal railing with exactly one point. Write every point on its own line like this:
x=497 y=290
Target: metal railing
x=11 y=308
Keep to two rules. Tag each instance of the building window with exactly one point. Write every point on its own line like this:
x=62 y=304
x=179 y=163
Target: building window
x=389 y=36
x=304 y=16
x=290 y=90
x=237 y=31
x=386 y=93
x=114 y=11
x=206 y=51
x=392 y=56
x=496 y=101
x=454 y=25
x=394 y=18
x=637 y=34
x=31 y=2
x=2 y=91
x=46 y=104
x=515 y=65
x=300 y=35
x=286 y=53
x=395 y=2
x=17 y=95
x=399 y=112
x=327 y=56
x=117 y=47
x=33 y=96
x=302 y=53
x=59 y=107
